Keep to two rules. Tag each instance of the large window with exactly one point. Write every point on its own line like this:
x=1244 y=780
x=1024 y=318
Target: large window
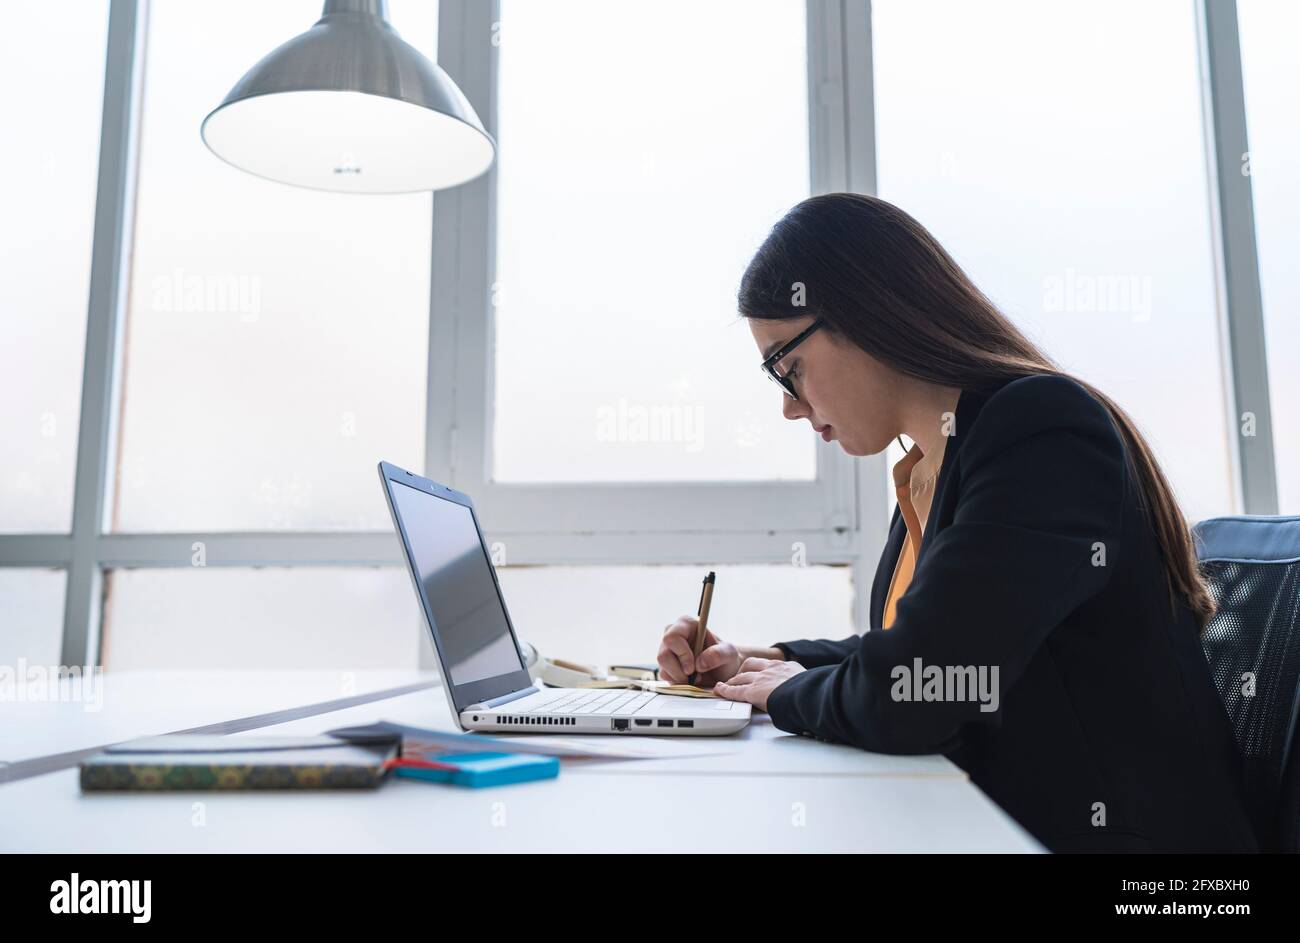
x=604 y=615
x=623 y=393
x=1272 y=80
x=559 y=337
x=627 y=209
x=49 y=164
x=276 y=339
x=31 y=601
x=237 y=617
x=1057 y=150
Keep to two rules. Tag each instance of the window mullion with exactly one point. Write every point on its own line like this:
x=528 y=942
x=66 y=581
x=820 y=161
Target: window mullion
x=1232 y=218
x=114 y=204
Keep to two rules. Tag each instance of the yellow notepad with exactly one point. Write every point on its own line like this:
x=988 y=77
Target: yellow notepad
x=658 y=687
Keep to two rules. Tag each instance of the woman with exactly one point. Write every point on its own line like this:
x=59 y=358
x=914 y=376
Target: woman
x=1036 y=613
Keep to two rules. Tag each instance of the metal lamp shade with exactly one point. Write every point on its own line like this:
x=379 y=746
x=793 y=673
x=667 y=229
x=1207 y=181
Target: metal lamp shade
x=349 y=106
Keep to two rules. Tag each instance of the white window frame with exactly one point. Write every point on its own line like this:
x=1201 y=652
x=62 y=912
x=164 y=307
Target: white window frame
x=840 y=518
x=464 y=263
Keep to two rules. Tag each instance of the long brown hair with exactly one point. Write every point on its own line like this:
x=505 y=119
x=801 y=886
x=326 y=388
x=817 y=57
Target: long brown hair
x=878 y=278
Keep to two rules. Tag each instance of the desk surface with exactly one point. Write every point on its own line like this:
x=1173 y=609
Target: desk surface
x=127 y=705
x=776 y=792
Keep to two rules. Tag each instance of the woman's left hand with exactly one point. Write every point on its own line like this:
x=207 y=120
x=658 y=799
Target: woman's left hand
x=756 y=680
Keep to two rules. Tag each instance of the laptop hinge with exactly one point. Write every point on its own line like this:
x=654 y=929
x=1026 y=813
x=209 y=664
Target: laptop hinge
x=503 y=699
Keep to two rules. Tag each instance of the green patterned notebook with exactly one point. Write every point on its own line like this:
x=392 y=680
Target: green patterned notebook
x=203 y=762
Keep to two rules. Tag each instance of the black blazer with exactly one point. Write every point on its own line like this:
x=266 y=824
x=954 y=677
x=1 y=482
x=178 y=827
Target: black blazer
x=1037 y=559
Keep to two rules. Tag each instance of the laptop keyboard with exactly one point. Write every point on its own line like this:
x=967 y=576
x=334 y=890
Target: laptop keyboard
x=595 y=701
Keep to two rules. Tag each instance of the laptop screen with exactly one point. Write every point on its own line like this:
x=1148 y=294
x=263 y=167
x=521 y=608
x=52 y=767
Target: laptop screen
x=455 y=577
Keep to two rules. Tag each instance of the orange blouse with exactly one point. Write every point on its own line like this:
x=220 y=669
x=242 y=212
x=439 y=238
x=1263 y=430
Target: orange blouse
x=912 y=512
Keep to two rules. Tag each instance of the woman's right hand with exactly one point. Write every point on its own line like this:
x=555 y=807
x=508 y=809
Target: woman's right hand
x=719 y=661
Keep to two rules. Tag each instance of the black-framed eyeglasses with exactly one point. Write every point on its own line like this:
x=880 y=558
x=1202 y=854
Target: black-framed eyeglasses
x=769 y=365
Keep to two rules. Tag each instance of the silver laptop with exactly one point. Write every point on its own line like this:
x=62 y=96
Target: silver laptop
x=487 y=685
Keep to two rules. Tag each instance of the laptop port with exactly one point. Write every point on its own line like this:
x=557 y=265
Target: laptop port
x=641 y=722
x=665 y=723
x=620 y=723
x=685 y=723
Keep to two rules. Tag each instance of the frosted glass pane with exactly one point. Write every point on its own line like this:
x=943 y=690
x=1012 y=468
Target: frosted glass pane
x=1272 y=78
x=31 y=615
x=1056 y=150
x=646 y=149
x=602 y=615
x=51 y=95
x=277 y=339
x=275 y=617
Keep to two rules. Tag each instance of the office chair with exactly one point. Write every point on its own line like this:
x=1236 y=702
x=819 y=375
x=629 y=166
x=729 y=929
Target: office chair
x=1252 y=565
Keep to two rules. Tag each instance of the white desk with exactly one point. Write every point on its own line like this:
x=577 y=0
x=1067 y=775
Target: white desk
x=142 y=703
x=775 y=792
